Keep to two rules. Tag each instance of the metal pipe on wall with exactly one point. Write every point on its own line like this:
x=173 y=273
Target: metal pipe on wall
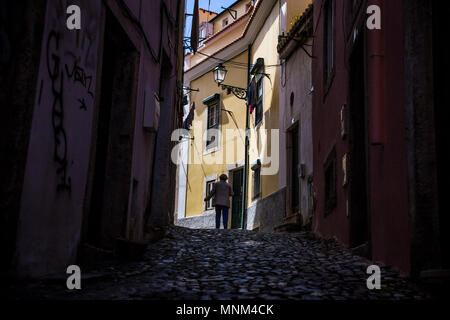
x=376 y=84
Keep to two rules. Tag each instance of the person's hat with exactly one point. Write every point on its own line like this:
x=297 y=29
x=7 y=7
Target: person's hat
x=223 y=177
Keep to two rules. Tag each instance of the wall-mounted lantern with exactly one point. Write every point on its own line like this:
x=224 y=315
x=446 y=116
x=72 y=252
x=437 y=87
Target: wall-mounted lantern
x=219 y=74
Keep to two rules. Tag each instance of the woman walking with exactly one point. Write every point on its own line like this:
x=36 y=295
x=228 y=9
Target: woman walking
x=221 y=191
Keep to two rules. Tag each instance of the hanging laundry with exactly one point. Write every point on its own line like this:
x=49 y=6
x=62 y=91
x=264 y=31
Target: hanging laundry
x=188 y=122
x=252 y=96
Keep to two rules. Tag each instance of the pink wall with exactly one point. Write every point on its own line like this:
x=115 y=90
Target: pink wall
x=152 y=17
x=54 y=190
x=58 y=155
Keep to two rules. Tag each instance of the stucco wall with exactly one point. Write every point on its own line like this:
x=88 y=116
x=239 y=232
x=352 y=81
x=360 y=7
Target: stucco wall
x=265 y=149
x=231 y=149
x=58 y=153
x=296 y=79
x=261 y=145
x=240 y=11
x=60 y=165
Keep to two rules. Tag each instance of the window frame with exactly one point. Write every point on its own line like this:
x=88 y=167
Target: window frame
x=256 y=180
x=208 y=181
x=216 y=117
x=202 y=38
x=259 y=111
x=329 y=44
x=208 y=187
x=212 y=147
x=351 y=13
x=225 y=22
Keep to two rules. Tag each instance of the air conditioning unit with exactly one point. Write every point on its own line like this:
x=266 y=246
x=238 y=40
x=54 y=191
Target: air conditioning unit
x=152 y=110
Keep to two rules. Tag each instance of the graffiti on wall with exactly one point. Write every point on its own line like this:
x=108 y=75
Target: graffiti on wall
x=77 y=74
x=61 y=74
x=66 y=90
x=59 y=132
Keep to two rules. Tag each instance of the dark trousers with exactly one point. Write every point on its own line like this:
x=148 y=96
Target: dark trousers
x=221 y=210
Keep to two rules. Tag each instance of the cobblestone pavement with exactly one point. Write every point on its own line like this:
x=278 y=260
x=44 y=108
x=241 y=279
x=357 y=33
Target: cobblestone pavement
x=234 y=264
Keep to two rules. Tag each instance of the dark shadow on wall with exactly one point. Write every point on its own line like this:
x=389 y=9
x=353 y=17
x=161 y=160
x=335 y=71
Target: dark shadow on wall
x=113 y=142
x=441 y=54
x=160 y=208
x=21 y=32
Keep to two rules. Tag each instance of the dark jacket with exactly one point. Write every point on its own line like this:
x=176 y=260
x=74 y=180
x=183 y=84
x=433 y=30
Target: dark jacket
x=221 y=191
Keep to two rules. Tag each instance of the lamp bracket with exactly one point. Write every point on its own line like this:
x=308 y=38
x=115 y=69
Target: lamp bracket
x=240 y=93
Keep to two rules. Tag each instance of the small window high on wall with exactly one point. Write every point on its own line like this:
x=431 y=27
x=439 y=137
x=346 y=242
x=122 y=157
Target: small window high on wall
x=213 y=110
x=224 y=22
x=257 y=90
x=329 y=42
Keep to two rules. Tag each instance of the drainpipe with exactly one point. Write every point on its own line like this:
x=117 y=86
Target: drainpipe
x=247 y=144
x=376 y=81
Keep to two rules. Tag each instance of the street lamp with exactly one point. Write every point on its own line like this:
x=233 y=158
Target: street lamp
x=219 y=74
x=219 y=77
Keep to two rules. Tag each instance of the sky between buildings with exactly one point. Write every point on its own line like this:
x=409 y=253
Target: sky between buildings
x=212 y=5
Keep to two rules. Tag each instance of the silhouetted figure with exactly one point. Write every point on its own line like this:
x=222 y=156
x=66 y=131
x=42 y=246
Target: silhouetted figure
x=221 y=193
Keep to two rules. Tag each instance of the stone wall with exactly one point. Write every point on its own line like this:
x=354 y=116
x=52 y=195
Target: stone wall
x=204 y=221
x=267 y=213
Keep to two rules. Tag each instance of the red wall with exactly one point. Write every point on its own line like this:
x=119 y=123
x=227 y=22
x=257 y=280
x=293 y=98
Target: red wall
x=388 y=166
x=388 y=197
x=326 y=129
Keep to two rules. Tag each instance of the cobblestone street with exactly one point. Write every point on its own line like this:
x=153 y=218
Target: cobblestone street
x=233 y=264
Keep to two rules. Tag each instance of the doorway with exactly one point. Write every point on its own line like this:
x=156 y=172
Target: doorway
x=237 y=200
x=294 y=169
x=111 y=169
x=358 y=201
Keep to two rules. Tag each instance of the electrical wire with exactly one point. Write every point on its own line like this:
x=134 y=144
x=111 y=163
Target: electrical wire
x=198 y=153
x=237 y=127
x=235 y=63
x=185 y=172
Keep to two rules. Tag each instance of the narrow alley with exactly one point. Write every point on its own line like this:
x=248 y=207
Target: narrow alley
x=226 y=150
x=232 y=264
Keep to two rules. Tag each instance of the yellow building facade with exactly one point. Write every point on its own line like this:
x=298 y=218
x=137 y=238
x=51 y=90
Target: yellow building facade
x=247 y=44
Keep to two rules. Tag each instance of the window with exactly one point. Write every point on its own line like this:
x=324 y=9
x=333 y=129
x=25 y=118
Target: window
x=213 y=116
x=257 y=92
x=330 y=183
x=202 y=36
x=259 y=100
x=328 y=56
x=224 y=22
x=351 y=14
x=212 y=123
x=209 y=186
x=256 y=183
